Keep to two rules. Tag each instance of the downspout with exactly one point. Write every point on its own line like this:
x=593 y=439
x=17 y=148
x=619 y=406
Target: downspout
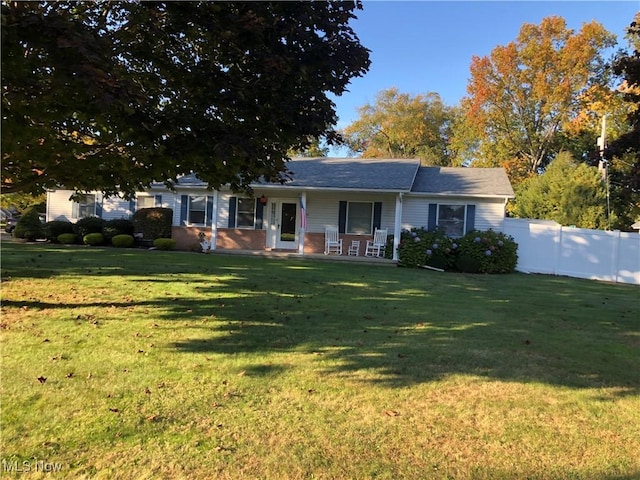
x=397 y=225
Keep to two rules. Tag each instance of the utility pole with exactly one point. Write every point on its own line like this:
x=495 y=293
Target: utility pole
x=602 y=164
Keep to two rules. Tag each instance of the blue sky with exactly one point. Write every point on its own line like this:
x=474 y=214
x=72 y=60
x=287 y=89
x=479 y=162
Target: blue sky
x=426 y=46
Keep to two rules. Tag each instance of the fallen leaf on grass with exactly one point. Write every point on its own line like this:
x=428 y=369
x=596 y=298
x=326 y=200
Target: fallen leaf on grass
x=114 y=410
x=69 y=375
x=391 y=413
x=42 y=379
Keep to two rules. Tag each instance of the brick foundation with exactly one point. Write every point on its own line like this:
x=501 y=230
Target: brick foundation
x=239 y=239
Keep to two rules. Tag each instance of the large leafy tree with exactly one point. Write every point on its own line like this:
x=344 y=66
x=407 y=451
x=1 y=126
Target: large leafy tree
x=623 y=152
x=569 y=192
x=399 y=125
x=113 y=95
x=523 y=93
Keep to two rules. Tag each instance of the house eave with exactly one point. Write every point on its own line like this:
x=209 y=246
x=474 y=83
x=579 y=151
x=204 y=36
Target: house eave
x=464 y=195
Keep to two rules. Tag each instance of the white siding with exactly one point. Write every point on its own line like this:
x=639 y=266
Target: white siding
x=490 y=215
x=59 y=207
x=415 y=212
x=223 y=209
x=323 y=208
x=115 y=208
x=489 y=212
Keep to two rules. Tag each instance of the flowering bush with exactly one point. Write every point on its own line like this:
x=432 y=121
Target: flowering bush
x=419 y=247
x=485 y=252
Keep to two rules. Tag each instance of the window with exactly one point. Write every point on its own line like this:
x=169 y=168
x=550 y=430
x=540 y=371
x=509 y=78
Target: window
x=145 y=202
x=197 y=209
x=359 y=218
x=451 y=219
x=245 y=213
x=85 y=206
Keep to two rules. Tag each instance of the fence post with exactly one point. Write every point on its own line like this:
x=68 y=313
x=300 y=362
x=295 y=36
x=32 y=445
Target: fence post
x=557 y=250
x=615 y=254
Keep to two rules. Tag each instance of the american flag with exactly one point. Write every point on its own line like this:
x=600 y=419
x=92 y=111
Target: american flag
x=303 y=215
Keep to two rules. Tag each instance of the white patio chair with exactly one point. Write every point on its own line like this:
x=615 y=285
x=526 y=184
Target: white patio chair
x=354 y=248
x=332 y=241
x=375 y=247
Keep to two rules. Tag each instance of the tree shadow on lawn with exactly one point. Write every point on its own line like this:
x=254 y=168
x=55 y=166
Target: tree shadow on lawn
x=384 y=333
x=389 y=325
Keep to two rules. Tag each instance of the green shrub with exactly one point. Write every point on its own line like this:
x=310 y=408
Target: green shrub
x=88 y=225
x=164 y=243
x=93 y=239
x=123 y=241
x=29 y=226
x=492 y=252
x=467 y=264
x=55 y=228
x=153 y=222
x=119 y=226
x=476 y=252
x=66 y=238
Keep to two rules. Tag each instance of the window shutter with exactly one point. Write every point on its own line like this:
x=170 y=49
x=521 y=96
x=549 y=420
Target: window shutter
x=184 y=209
x=132 y=206
x=158 y=200
x=209 y=218
x=259 y=214
x=75 y=210
x=342 y=217
x=470 y=223
x=432 y=221
x=233 y=202
x=98 y=209
x=377 y=215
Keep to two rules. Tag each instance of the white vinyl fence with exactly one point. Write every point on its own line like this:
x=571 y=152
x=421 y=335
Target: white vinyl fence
x=548 y=247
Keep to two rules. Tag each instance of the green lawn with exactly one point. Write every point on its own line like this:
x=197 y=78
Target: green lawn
x=141 y=364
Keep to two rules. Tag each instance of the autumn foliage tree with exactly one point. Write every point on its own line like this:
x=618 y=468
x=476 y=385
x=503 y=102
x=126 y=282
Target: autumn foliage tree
x=111 y=96
x=524 y=93
x=400 y=125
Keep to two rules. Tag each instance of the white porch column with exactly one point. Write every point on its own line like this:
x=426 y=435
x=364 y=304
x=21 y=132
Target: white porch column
x=214 y=221
x=397 y=226
x=303 y=222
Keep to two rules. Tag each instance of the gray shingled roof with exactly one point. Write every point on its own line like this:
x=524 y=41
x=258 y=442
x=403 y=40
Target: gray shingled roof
x=353 y=173
x=396 y=175
x=463 y=181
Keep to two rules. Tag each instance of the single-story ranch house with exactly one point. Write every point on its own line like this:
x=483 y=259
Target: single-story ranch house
x=353 y=194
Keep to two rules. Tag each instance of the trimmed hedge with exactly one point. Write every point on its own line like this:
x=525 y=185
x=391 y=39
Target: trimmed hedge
x=123 y=241
x=29 y=226
x=164 y=243
x=119 y=226
x=476 y=252
x=55 y=228
x=88 y=225
x=93 y=239
x=66 y=238
x=154 y=222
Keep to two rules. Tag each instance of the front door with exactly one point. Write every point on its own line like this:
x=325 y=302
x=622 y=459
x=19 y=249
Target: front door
x=283 y=224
